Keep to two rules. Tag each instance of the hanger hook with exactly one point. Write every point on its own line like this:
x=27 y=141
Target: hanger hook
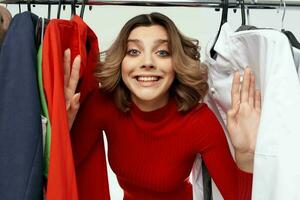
x=242 y=3
x=283 y=14
x=73 y=7
x=82 y=8
x=20 y=10
x=59 y=9
x=225 y=5
x=29 y=5
x=49 y=11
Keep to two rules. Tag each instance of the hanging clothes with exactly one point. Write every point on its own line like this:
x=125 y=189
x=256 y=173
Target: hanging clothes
x=60 y=35
x=296 y=53
x=199 y=189
x=45 y=114
x=20 y=116
x=269 y=55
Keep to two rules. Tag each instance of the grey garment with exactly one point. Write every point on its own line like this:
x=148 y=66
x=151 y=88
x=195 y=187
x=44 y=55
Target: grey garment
x=296 y=54
x=246 y=28
x=207 y=189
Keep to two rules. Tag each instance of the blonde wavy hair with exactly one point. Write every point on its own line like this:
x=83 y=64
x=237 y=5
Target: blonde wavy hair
x=190 y=83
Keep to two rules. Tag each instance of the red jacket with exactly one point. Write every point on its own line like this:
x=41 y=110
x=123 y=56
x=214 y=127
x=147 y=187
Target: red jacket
x=60 y=35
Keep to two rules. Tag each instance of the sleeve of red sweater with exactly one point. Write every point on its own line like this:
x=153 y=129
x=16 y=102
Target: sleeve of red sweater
x=88 y=150
x=233 y=183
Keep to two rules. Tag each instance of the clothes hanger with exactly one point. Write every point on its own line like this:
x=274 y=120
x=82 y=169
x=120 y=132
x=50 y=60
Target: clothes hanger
x=73 y=8
x=293 y=40
x=245 y=26
x=29 y=5
x=59 y=9
x=224 y=5
x=248 y=16
x=49 y=10
x=20 y=8
x=82 y=8
x=243 y=12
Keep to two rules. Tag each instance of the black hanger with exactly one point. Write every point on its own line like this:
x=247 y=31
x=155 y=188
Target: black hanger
x=293 y=40
x=225 y=5
x=28 y=5
x=59 y=9
x=73 y=8
x=82 y=8
x=49 y=10
x=243 y=12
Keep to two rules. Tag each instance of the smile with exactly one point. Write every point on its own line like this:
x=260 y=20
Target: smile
x=148 y=81
x=147 y=78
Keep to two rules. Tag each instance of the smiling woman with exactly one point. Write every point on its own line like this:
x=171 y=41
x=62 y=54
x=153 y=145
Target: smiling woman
x=150 y=106
x=152 y=45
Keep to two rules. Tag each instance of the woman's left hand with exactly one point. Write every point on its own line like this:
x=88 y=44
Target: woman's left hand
x=243 y=118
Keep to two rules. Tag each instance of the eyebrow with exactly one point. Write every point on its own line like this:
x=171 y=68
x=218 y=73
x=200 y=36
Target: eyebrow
x=157 y=42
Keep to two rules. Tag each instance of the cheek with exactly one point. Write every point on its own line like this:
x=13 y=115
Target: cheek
x=170 y=70
x=127 y=66
x=126 y=70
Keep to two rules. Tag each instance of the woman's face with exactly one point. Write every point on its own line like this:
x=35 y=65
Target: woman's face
x=147 y=69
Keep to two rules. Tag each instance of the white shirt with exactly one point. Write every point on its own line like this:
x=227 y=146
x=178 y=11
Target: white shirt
x=268 y=53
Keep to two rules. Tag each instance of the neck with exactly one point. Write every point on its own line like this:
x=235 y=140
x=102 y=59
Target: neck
x=150 y=105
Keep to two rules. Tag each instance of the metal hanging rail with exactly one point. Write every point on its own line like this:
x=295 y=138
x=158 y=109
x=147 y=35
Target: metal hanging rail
x=263 y=4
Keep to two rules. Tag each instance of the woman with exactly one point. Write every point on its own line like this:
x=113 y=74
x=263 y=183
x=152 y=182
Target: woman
x=150 y=105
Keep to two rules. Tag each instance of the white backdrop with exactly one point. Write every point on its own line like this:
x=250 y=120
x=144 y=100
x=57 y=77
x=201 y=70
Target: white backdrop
x=199 y=23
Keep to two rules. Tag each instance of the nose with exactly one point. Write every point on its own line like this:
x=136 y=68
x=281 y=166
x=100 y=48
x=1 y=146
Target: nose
x=148 y=62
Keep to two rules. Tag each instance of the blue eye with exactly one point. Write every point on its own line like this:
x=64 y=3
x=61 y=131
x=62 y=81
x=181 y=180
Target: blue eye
x=133 y=52
x=163 y=53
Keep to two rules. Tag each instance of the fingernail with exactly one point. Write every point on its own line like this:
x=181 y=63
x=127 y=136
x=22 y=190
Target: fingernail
x=67 y=51
x=78 y=96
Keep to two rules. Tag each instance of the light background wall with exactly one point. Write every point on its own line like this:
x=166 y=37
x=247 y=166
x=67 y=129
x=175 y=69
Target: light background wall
x=200 y=23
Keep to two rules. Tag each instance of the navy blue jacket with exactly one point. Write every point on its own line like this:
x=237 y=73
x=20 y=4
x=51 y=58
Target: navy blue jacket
x=20 y=118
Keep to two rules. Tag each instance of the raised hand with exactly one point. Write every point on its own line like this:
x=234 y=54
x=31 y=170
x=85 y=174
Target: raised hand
x=71 y=78
x=243 y=118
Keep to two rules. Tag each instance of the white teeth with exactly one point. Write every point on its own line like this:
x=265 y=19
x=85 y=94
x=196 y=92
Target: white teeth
x=147 y=78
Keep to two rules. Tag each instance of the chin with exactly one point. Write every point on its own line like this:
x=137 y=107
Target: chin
x=146 y=96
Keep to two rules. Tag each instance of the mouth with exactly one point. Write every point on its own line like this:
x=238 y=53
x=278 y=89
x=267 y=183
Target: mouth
x=147 y=81
x=147 y=78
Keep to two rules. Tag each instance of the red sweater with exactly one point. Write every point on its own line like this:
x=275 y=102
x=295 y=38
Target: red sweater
x=152 y=153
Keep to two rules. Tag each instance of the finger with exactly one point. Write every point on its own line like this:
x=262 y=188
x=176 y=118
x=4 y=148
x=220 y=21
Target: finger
x=246 y=85
x=234 y=110
x=235 y=89
x=74 y=107
x=74 y=77
x=75 y=102
x=67 y=63
x=252 y=91
x=231 y=116
x=257 y=103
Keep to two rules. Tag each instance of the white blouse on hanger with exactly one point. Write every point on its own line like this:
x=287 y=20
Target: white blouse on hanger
x=268 y=53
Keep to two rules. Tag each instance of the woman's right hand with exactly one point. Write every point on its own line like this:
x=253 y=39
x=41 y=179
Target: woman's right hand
x=71 y=78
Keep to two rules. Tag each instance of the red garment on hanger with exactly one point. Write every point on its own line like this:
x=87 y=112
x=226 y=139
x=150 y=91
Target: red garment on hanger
x=60 y=35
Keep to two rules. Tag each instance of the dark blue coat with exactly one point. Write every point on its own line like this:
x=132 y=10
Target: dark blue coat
x=20 y=120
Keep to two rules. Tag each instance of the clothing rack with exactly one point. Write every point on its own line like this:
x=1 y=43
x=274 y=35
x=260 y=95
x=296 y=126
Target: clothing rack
x=250 y=4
